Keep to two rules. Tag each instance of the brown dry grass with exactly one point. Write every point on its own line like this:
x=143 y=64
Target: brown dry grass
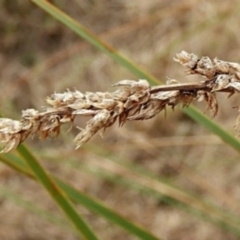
x=39 y=56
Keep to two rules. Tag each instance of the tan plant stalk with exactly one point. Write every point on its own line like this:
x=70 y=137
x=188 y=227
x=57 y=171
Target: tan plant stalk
x=133 y=100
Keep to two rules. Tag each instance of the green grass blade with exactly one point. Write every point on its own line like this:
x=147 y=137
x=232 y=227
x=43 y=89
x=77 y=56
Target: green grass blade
x=162 y=190
x=213 y=127
x=19 y=165
x=129 y=176
x=96 y=207
x=114 y=54
x=134 y=176
x=94 y=39
x=56 y=193
x=81 y=198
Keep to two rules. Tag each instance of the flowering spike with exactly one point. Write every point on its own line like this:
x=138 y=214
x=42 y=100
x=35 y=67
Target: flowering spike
x=133 y=100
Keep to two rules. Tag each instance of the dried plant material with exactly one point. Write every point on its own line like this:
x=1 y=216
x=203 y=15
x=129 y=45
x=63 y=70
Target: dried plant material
x=132 y=100
x=207 y=67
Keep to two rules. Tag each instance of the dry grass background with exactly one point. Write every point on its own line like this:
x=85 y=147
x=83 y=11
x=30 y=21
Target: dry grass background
x=39 y=56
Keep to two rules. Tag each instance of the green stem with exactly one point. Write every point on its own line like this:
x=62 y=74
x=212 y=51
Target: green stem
x=56 y=193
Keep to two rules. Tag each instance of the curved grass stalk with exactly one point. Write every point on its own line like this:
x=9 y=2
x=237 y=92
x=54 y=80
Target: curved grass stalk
x=78 y=197
x=57 y=194
x=213 y=127
x=137 y=179
x=93 y=39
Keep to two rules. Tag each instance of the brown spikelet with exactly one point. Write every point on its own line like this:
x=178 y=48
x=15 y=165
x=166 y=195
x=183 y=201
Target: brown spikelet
x=132 y=100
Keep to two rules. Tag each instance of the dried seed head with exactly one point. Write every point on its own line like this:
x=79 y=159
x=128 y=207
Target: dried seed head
x=221 y=82
x=10 y=134
x=133 y=100
x=99 y=121
x=188 y=60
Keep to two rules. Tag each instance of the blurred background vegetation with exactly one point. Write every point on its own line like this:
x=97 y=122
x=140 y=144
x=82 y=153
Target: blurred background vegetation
x=38 y=56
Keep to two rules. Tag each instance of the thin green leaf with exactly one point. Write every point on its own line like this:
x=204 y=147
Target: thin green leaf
x=119 y=173
x=213 y=127
x=56 y=193
x=93 y=39
x=100 y=209
x=81 y=198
